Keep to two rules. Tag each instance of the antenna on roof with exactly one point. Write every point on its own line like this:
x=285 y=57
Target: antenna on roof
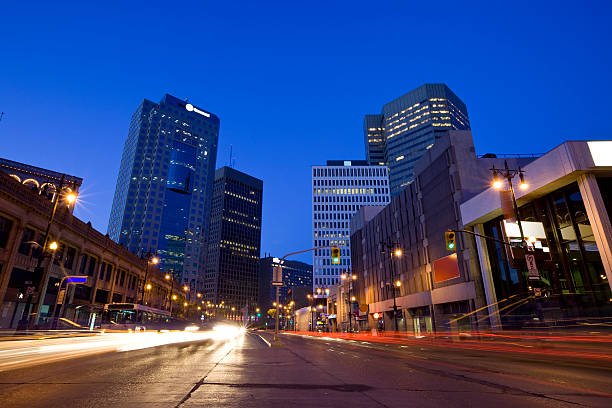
x=232 y=159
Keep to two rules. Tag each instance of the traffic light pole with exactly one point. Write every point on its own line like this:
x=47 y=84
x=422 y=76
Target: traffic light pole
x=278 y=287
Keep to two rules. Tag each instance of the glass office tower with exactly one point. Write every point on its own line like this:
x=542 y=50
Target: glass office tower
x=408 y=126
x=163 y=194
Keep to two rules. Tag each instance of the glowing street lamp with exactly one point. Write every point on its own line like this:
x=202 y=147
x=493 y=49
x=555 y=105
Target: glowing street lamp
x=509 y=174
x=149 y=286
x=53 y=246
x=71 y=198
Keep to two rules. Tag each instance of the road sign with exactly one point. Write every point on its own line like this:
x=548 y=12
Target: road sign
x=534 y=274
x=76 y=279
x=30 y=290
x=277 y=276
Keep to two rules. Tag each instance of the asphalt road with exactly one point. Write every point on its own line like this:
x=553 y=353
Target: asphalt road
x=308 y=372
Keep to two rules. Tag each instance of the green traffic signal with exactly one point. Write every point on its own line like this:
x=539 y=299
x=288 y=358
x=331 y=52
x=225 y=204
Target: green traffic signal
x=335 y=255
x=449 y=237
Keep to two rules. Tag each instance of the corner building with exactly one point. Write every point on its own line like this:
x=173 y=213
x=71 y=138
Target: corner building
x=409 y=126
x=235 y=240
x=339 y=189
x=162 y=198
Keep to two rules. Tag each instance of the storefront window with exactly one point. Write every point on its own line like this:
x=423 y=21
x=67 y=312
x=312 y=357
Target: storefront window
x=572 y=277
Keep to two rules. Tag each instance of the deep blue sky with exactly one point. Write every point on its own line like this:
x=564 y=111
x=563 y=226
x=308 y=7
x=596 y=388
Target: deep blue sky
x=291 y=83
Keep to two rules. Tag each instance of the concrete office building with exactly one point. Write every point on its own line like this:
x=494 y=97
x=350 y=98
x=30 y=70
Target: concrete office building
x=565 y=213
x=235 y=240
x=162 y=198
x=339 y=189
x=436 y=286
x=408 y=126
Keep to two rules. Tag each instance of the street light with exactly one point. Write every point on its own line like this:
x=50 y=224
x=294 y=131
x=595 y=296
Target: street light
x=509 y=174
x=149 y=286
x=394 y=249
x=53 y=246
x=70 y=198
x=151 y=259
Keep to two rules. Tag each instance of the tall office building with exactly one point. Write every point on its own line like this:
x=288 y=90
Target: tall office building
x=408 y=126
x=235 y=238
x=339 y=189
x=162 y=198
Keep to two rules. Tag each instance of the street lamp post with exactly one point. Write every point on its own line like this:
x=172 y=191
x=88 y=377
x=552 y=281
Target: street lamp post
x=170 y=276
x=393 y=249
x=151 y=258
x=70 y=199
x=509 y=174
x=350 y=298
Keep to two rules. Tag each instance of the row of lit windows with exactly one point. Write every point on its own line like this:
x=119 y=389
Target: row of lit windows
x=241 y=197
x=345 y=171
x=241 y=223
x=403 y=118
x=347 y=191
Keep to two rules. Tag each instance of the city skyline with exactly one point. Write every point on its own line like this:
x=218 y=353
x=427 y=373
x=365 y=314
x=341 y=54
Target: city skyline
x=520 y=74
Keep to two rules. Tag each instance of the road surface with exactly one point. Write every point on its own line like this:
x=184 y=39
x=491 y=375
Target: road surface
x=243 y=371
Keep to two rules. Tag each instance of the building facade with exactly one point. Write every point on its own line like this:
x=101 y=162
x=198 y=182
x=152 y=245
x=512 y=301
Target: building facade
x=297 y=277
x=565 y=215
x=47 y=183
x=162 y=198
x=113 y=273
x=339 y=189
x=410 y=125
x=235 y=240
x=398 y=252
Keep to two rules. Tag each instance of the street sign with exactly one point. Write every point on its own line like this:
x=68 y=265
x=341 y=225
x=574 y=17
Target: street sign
x=30 y=290
x=76 y=279
x=532 y=268
x=277 y=276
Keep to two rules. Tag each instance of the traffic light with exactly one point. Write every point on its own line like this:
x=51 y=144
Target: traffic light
x=335 y=253
x=449 y=237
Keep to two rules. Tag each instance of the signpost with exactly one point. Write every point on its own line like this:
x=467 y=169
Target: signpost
x=61 y=295
x=277 y=280
x=532 y=268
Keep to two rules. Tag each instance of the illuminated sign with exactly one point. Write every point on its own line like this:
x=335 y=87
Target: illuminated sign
x=192 y=108
x=530 y=229
x=601 y=152
x=446 y=268
x=76 y=279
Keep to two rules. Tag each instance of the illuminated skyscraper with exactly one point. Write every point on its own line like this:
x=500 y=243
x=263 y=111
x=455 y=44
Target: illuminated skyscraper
x=339 y=189
x=408 y=126
x=235 y=240
x=163 y=193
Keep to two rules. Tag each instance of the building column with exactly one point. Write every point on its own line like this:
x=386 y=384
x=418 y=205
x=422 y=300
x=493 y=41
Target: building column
x=11 y=252
x=487 y=278
x=599 y=219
